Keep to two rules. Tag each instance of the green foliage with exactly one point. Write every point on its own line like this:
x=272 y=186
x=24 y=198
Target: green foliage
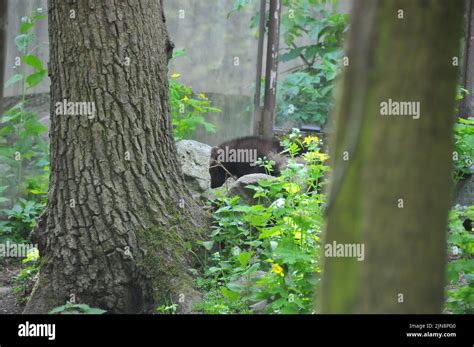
x=167 y=309
x=215 y=302
x=460 y=269
x=25 y=278
x=70 y=308
x=269 y=250
x=188 y=109
x=21 y=220
x=463 y=147
x=304 y=93
x=22 y=146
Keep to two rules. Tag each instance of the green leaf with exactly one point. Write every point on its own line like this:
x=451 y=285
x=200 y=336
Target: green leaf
x=289 y=252
x=26 y=26
x=34 y=61
x=229 y=294
x=179 y=53
x=39 y=16
x=289 y=309
x=35 y=78
x=96 y=311
x=208 y=245
x=59 y=309
x=251 y=270
x=34 y=127
x=235 y=287
x=293 y=54
x=269 y=232
x=457 y=266
x=22 y=41
x=244 y=258
x=14 y=79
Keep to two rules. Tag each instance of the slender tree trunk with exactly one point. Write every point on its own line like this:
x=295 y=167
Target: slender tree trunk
x=467 y=104
x=119 y=223
x=271 y=69
x=257 y=109
x=391 y=188
x=3 y=47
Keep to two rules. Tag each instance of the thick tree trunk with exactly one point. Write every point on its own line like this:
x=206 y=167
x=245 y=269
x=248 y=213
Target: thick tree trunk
x=391 y=181
x=119 y=221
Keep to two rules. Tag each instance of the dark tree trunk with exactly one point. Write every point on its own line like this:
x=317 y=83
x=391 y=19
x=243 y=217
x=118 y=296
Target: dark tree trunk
x=119 y=221
x=257 y=110
x=467 y=104
x=391 y=180
x=271 y=69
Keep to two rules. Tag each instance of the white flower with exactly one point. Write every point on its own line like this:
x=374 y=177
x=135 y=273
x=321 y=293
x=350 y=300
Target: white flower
x=455 y=250
x=280 y=202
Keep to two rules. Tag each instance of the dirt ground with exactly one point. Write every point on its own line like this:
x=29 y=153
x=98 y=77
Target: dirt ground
x=8 y=273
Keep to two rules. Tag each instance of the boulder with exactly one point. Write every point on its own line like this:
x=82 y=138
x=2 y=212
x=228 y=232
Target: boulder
x=239 y=187
x=464 y=193
x=194 y=159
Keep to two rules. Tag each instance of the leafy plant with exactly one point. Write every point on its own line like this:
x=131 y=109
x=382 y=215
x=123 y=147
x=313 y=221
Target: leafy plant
x=167 y=309
x=21 y=220
x=214 y=301
x=25 y=278
x=188 y=109
x=304 y=92
x=463 y=148
x=22 y=147
x=70 y=308
x=268 y=252
x=304 y=95
x=460 y=269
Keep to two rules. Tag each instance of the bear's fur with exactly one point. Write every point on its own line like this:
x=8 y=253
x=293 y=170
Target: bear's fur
x=221 y=168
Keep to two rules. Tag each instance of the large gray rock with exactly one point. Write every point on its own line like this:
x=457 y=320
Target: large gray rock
x=240 y=188
x=194 y=158
x=464 y=194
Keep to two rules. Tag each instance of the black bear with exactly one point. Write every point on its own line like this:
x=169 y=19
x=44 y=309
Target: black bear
x=238 y=158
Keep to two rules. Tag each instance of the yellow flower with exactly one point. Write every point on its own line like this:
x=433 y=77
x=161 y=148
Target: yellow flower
x=175 y=75
x=315 y=156
x=202 y=96
x=185 y=98
x=308 y=139
x=278 y=270
x=322 y=156
x=291 y=188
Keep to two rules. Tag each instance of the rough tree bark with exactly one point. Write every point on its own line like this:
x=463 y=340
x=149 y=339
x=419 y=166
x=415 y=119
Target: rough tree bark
x=391 y=180
x=119 y=222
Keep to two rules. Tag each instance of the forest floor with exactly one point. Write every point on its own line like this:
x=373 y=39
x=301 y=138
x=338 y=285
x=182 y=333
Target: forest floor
x=8 y=273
